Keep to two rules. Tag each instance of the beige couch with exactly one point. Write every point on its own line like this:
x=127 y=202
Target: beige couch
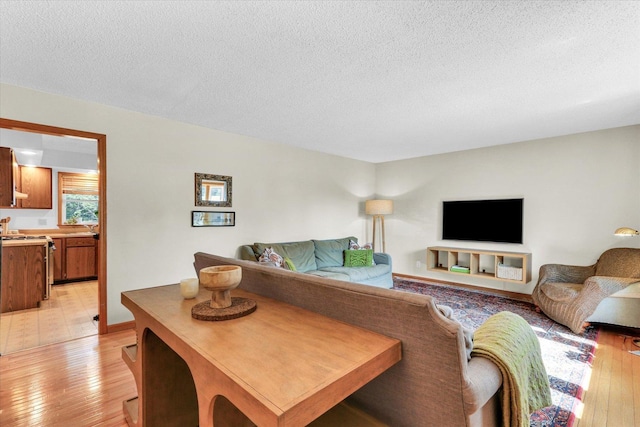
x=433 y=385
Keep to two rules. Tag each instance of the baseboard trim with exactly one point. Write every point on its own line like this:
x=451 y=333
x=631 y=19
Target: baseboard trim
x=512 y=295
x=124 y=326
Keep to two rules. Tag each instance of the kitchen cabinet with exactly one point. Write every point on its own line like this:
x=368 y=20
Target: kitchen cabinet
x=8 y=177
x=24 y=276
x=75 y=258
x=80 y=257
x=36 y=183
x=58 y=256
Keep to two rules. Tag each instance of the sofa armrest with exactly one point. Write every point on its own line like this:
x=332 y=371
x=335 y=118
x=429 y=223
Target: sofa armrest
x=596 y=288
x=484 y=381
x=382 y=258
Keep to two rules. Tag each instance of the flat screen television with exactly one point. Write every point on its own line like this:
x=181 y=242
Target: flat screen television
x=497 y=220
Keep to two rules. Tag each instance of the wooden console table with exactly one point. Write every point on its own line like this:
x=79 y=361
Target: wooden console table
x=279 y=366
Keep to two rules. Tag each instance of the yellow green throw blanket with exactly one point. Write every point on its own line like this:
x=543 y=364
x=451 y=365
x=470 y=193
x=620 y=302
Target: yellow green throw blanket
x=508 y=340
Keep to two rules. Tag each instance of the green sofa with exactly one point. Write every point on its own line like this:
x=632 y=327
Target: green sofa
x=325 y=258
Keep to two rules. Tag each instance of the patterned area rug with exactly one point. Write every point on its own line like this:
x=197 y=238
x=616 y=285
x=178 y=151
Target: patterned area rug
x=567 y=357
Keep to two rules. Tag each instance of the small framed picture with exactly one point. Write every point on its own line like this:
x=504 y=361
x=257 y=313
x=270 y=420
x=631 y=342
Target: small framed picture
x=213 y=219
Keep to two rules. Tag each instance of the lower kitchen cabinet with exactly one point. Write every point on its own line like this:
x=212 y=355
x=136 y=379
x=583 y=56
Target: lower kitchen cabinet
x=75 y=258
x=80 y=261
x=58 y=255
x=23 y=277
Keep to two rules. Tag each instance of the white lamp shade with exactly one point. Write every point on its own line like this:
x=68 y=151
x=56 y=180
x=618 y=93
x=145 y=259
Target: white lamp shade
x=626 y=231
x=378 y=207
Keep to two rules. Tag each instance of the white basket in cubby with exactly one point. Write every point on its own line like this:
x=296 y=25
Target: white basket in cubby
x=508 y=272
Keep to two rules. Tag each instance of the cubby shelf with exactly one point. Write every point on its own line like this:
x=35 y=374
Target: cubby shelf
x=505 y=266
x=130 y=406
x=130 y=354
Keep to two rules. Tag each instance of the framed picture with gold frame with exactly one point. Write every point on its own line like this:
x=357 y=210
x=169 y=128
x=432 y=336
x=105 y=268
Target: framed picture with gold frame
x=213 y=190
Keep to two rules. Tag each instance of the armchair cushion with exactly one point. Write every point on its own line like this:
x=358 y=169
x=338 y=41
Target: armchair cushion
x=562 y=291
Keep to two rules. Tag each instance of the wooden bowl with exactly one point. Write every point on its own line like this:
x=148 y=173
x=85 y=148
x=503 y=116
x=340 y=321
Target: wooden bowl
x=220 y=279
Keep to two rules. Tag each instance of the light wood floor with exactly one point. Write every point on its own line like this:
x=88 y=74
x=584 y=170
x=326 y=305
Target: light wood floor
x=77 y=383
x=66 y=315
x=612 y=398
x=84 y=382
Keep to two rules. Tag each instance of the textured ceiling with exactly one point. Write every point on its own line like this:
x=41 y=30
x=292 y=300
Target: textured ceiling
x=375 y=81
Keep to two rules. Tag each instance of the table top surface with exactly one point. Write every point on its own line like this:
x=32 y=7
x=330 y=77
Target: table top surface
x=280 y=354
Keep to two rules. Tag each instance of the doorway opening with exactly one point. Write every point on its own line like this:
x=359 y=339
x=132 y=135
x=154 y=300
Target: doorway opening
x=87 y=289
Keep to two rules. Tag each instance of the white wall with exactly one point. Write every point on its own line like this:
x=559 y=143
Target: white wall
x=279 y=193
x=577 y=190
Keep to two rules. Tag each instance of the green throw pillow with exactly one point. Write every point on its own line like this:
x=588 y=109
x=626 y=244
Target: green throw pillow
x=288 y=264
x=358 y=258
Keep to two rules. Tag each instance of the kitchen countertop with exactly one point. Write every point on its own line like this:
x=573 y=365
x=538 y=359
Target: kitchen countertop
x=24 y=242
x=78 y=234
x=40 y=237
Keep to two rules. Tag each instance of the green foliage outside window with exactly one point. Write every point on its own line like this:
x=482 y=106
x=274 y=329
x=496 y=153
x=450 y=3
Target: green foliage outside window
x=80 y=209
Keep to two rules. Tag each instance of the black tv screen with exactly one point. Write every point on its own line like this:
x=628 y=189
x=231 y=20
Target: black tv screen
x=483 y=220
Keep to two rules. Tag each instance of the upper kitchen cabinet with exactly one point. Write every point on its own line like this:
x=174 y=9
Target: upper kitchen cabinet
x=36 y=183
x=23 y=187
x=8 y=177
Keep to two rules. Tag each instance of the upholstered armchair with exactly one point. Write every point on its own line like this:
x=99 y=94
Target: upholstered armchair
x=570 y=294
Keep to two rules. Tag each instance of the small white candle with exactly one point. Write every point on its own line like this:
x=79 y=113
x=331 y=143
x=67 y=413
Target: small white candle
x=189 y=288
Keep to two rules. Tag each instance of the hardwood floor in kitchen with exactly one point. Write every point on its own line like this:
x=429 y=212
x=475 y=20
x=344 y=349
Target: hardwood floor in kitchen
x=66 y=315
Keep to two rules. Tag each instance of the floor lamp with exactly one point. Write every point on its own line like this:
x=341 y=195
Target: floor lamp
x=378 y=209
